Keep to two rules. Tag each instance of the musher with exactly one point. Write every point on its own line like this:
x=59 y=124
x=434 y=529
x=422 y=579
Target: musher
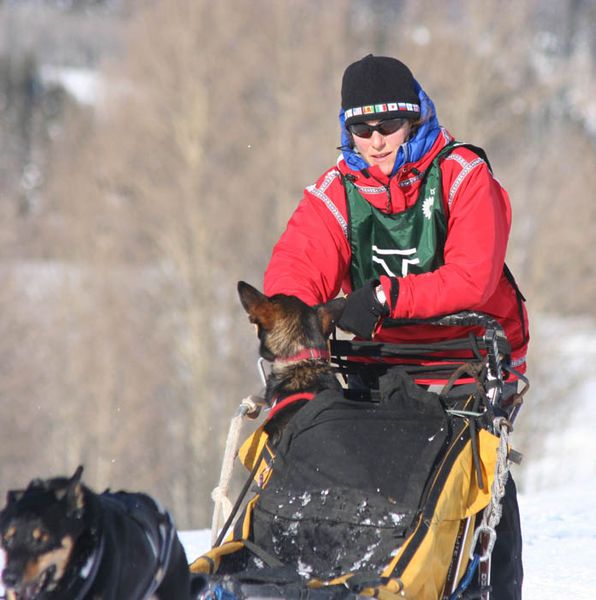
x=402 y=245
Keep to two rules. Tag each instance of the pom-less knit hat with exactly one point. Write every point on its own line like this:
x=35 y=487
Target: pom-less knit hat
x=378 y=87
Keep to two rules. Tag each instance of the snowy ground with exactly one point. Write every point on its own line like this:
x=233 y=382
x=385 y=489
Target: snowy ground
x=559 y=520
x=559 y=529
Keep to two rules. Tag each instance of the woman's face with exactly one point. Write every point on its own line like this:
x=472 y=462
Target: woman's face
x=381 y=150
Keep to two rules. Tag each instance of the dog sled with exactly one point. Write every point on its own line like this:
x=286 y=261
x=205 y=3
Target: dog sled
x=387 y=488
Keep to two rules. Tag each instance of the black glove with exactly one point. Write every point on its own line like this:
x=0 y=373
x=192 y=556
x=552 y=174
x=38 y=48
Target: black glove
x=363 y=311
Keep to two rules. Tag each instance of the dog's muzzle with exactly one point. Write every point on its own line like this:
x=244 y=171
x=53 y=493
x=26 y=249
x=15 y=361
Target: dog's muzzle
x=16 y=589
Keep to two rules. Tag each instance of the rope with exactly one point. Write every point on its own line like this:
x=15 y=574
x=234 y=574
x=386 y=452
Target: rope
x=249 y=407
x=493 y=512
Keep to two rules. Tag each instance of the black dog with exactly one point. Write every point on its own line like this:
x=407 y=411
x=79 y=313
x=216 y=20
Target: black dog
x=63 y=541
x=293 y=336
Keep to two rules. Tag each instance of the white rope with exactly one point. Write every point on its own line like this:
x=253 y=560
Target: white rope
x=250 y=406
x=493 y=512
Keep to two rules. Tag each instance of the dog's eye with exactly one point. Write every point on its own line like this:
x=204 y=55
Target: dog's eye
x=8 y=536
x=39 y=536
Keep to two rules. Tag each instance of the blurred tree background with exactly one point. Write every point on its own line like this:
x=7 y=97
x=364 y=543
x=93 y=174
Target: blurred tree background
x=152 y=152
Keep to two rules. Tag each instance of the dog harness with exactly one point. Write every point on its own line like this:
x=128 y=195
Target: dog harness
x=279 y=405
x=306 y=354
x=88 y=572
x=159 y=539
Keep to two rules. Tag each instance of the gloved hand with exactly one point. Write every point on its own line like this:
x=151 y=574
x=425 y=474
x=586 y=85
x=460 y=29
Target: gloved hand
x=363 y=311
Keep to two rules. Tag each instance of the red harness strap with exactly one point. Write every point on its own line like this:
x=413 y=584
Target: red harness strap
x=278 y=406
x=306 y=354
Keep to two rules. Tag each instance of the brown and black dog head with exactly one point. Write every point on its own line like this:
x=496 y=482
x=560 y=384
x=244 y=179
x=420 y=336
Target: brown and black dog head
x=285 y=324
x=38 y=530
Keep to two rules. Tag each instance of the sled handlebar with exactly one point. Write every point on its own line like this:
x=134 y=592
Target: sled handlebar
x=493 y=340
x=466 y=318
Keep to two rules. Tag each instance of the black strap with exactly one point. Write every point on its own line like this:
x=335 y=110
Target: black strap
x=88 y=579
x=480 y=152
x=369 y=579
x=268 y=559
x=241 y=495
x=512 y=281
x=520 y=300
x=394 y=293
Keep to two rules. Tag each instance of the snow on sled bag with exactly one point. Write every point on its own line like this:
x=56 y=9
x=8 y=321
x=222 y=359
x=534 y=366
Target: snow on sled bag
x=372 y=496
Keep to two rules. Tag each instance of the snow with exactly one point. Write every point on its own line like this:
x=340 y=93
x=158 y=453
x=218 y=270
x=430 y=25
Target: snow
x=559 y=531
x=559 y=518
x=83 y=84
x=195 y=542
x=570 y=449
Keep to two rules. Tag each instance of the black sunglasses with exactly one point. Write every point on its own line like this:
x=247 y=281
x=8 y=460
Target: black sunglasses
x=386 y=127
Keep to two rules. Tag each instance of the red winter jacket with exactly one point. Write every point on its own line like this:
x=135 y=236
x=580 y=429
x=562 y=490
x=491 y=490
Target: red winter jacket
x=312 y=258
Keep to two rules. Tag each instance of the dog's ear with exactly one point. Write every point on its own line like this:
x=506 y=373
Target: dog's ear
x=76 y=476
x=74 y=494
x=260 y=309
x=250 y=297
x=329 y=313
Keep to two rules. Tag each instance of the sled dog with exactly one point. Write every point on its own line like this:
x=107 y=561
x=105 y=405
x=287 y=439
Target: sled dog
x=293 y=336
x=61 y=540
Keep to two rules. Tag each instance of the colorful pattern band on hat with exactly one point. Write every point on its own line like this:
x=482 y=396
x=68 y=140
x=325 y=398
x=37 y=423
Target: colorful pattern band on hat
x=381 y=108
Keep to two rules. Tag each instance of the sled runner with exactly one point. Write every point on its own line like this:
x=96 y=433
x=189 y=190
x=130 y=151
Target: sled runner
x=388 y=487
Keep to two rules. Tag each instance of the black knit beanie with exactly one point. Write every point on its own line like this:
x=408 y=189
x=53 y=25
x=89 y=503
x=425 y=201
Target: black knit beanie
x=378 y=87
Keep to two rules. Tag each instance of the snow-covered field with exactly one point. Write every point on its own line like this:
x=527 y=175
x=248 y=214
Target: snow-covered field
x=559 y=520
x=559 y=529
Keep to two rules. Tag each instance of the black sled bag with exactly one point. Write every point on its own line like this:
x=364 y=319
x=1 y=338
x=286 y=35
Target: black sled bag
x=371 y=495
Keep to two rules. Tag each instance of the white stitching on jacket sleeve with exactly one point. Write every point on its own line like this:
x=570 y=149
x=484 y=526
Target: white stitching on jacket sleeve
x=319 y=192
x=467 y=167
